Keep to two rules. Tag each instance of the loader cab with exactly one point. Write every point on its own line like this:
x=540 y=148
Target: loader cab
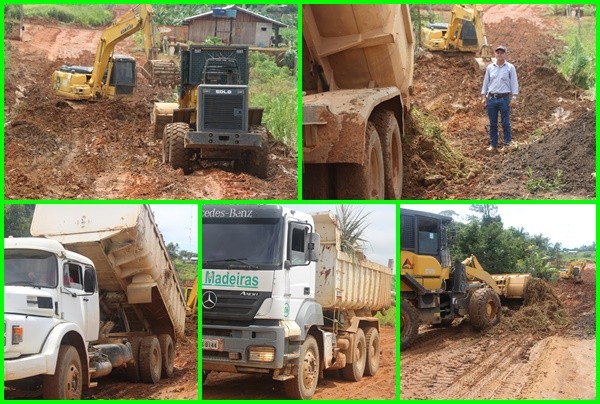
x=425 y=233
x=122 y=76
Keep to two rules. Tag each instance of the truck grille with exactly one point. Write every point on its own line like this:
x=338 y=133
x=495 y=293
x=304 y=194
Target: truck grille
x=233 y=305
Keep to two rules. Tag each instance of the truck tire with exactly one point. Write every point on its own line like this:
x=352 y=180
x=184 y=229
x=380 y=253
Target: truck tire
x=133 y=368
x=67 y=381
x=391 y=147
x=409 y=324
x=484 y=308
x=150 y=360
x=303 y=386
x=167 y=349
x=373 y=351
x=354 y=371
x=355 y=181
x=174 y=151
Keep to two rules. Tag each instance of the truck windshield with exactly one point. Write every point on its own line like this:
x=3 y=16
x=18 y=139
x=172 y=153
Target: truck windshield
x=30 y=268
x=252 y=242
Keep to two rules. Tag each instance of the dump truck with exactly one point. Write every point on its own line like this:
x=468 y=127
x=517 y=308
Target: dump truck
x=435 y=291
x=357 y=70
x=280 y=297
x=95 y=292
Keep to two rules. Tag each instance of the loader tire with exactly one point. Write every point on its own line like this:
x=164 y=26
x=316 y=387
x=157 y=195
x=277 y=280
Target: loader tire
x=174 y=152
x=133 y=367
x=167 y=349
x=150 y=360
x=356 y=181
x=484 y=309
x=409 y=324
x=67 y=381
x=303 y=386
x=391 y=147
x=354 y=371
x=373 y=351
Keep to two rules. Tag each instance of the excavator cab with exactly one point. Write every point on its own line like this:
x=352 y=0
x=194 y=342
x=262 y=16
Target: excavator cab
x=122 y=77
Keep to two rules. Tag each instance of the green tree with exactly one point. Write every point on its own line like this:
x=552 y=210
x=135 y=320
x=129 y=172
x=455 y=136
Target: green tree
x=173 y=250
x=17 y=220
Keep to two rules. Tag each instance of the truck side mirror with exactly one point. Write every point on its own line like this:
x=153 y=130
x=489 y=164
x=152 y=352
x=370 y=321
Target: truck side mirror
x=89 y=281
x=313 y=247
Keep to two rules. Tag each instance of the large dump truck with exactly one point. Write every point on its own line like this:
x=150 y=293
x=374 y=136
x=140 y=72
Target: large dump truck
x=357 y=68
x=96 y=293
x=435 y=291
x=279 y=297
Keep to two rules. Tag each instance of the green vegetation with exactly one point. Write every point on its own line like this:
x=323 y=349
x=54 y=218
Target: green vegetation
x=508 y=250
x=541 y=184
x=17 y=220
x=577 y=62
x=352 y=226
x=389 y=318
x=93 y=15
x=274 y=88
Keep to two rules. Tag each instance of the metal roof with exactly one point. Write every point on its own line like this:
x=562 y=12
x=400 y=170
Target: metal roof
x=243 y=10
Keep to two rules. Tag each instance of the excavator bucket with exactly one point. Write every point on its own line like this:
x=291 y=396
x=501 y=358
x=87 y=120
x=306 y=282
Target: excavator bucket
x=512 y=286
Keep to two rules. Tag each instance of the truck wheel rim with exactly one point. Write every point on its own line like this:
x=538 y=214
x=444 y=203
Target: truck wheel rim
x=309 y=369
x=73 y=382
x=375 y=175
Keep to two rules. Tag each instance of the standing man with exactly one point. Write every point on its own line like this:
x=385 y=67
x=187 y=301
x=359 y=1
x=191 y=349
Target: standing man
x=500 y=85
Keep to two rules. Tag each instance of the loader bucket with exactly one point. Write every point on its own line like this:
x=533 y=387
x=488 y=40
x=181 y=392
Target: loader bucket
x=512 y=286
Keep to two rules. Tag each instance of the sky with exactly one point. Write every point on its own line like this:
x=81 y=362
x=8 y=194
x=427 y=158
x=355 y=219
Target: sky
x=381 y=232
x=178 y=224
x=570 y=225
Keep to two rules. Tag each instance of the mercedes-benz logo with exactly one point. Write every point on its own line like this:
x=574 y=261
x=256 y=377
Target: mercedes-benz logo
x=209 y=300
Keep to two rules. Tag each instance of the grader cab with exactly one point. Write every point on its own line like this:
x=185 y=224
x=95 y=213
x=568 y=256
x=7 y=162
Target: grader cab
x=435 y=291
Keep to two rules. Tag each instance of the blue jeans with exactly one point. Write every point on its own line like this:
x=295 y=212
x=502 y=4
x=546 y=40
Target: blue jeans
x=493 y=106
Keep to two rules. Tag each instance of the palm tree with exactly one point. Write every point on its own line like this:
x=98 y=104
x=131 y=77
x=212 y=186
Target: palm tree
x=351 y=224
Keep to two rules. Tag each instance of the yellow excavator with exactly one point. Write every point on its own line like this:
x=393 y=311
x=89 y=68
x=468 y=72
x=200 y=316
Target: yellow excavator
x=112 y=75
x=574 y=271
x=191 y=297
x=435 y=292
x=465 y=32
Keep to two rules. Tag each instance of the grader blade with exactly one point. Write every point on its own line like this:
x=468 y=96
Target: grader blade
x=512 y=286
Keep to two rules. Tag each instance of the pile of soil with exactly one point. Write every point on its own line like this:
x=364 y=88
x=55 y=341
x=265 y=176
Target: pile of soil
x=553 y=124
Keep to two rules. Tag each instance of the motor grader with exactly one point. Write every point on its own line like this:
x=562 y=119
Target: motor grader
x=435 y=292
x=574 y=271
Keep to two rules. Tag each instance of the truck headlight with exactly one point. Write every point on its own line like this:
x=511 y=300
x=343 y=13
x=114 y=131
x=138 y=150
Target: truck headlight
x=17 y=334
x=261 y=354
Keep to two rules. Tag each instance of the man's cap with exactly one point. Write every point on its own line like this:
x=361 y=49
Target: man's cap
x=501 y=47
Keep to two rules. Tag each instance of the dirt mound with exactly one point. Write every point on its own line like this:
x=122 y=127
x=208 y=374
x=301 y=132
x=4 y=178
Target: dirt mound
x=552 y=122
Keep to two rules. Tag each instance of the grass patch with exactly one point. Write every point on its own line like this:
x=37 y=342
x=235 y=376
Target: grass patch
x=389 y=318
x=93 y=15
x=274 y=88
x=541 y=184
x=185 y=271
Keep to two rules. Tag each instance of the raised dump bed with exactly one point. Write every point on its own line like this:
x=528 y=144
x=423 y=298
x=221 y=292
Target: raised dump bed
x=133 y=266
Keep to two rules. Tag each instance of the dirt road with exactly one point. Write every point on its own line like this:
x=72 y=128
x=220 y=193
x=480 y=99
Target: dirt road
x=553 y=122
x=245 y=387
x=104 y=149
x=508 y=362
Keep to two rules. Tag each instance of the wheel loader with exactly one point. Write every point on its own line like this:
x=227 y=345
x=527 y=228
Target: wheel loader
x=574 y=271
x=464 y=32
x=433 y=291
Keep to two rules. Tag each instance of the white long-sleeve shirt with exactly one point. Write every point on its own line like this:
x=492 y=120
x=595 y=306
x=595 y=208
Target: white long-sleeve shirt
x=500 y=79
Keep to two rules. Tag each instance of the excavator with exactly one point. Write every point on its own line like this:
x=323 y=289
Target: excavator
x=112 y=75
x=574 y=271
x=433 y=291
x=191 y=295
x=464 y=32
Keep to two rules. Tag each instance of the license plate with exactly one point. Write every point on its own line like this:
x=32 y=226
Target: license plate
x=212 y=344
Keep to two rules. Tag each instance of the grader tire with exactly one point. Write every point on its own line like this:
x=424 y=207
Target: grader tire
x=356 y=181
x=354 y=371
x=391 y=146
x=409 y=324
x=373 y=351
x=174 y=152
x=484 y=309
